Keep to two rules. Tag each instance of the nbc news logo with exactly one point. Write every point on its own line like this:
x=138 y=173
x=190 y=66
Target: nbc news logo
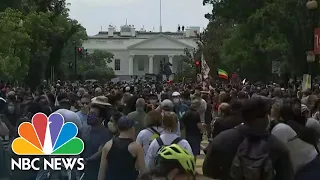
x=47 y=136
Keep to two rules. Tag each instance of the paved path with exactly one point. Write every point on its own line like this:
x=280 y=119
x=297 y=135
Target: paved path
x=201 y=157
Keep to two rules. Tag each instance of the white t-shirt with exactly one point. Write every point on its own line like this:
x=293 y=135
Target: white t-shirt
x=203 y=109
x=167 y=139
x=144 y=137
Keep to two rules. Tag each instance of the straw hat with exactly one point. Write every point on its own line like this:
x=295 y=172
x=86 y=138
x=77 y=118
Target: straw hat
x=100 y=100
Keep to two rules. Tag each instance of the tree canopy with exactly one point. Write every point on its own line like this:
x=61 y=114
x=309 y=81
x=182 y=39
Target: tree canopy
x=94 y=66
x=245 y=36
x=36 y=34
x=15 y=40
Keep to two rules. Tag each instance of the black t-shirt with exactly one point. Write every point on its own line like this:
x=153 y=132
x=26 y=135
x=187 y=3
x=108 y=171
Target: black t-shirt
x=190 y=120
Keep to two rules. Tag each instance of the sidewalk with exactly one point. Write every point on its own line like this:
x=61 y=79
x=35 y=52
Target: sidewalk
x=201 y=157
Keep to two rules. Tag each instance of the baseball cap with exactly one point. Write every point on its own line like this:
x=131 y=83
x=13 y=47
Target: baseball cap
x=167 y=105
x=127 y=88
x=175 y=93
x=124 y=123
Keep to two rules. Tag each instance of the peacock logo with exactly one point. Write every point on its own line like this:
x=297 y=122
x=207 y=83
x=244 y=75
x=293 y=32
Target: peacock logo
x=47 y=136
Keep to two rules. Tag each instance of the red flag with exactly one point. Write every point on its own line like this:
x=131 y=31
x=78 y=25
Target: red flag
x=317 y=40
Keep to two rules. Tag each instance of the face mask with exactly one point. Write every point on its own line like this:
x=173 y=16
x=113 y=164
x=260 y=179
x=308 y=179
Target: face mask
x=85 y=109
x=176 y=100
x=112 y=127
x=10 y=109
x=92 y=119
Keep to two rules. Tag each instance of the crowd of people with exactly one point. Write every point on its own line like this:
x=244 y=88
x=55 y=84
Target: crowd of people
x=256 y=131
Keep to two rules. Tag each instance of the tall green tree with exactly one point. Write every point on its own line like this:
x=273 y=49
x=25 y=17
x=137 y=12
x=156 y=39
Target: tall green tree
x=15 y=50
x=212 y=40
x=262 y=32
x=50 y=30
x=68 y=54
x=98 y=58
x=95 y=66
x=188 y=69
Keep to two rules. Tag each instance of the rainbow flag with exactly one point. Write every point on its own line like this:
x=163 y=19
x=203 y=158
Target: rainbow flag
x=222 y=74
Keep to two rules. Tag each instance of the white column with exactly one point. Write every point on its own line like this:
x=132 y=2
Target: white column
x=171 y=62
x=131 y=65
x=151 y=64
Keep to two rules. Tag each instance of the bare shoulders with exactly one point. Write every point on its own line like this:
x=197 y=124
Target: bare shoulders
x=107 y=146
x=134 y=148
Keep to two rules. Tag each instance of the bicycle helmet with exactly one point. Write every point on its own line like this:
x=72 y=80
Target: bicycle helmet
x=174 y=154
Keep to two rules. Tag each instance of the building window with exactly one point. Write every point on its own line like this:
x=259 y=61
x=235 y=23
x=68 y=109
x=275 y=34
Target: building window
x=117 y=64
x=141 y=65
x=126 y=29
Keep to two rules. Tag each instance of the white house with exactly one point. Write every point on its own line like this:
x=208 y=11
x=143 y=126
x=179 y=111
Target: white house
x=139 y=52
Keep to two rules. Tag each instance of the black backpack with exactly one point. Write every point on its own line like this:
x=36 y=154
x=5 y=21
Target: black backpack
x=161 y=144
x=252 y=161
x=155 y=134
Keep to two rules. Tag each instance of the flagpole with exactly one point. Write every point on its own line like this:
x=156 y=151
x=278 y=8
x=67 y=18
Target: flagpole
x=160 y=15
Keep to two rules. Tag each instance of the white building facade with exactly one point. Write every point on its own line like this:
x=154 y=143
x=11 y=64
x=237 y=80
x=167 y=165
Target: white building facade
x=137 y=53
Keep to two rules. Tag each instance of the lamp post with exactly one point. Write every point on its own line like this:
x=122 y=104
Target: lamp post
x=312 y=6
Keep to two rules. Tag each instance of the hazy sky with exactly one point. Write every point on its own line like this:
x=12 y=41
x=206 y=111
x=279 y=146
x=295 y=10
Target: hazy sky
x=97 y=14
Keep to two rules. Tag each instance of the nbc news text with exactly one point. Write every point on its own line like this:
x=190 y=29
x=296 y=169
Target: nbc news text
x=26 y=164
